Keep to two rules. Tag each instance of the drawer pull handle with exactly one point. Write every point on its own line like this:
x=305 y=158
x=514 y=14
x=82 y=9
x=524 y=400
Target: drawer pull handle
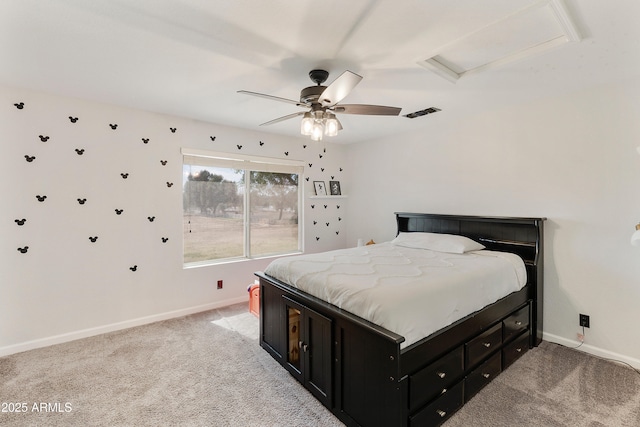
x=441 y=413
x=486 y=375
x=442 y=374
x=486 y=344
x=518 y=323
x=519 y=350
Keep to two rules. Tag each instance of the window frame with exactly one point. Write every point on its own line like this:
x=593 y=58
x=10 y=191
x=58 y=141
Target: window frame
x=248 y=163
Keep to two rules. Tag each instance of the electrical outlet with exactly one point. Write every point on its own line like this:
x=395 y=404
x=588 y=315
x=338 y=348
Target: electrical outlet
x=219 y=284
x=584 y=320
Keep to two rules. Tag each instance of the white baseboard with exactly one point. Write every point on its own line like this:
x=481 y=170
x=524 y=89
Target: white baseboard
x=596 y=351
x=84 y=333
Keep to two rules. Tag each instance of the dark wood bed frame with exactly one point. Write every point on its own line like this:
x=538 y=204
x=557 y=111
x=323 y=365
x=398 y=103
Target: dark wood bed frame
x=358 y=370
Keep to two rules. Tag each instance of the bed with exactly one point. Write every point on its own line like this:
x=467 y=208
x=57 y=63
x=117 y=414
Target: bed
x=414 y=366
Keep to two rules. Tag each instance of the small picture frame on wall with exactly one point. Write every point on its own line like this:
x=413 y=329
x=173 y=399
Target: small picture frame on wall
x=334 y=187
x=320 y=187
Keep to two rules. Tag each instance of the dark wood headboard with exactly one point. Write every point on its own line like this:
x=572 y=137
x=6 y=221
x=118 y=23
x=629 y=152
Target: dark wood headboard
x=522 y=236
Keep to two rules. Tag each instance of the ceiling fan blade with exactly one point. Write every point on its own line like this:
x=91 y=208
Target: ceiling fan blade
x=340 y=88
x=283 y=118
x=273 y=98
x=373 y=110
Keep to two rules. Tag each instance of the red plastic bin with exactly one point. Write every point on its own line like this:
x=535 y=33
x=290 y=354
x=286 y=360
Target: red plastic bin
x=254 y=299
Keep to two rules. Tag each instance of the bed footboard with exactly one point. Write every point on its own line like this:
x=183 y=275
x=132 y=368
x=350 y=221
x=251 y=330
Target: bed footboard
x=349 y=364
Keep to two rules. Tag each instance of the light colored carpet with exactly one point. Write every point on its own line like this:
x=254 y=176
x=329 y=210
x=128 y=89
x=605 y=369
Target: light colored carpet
x=201 y=370
x=551 y=386
x=208 y=370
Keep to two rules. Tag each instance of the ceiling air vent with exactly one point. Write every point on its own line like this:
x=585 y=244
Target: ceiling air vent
x=422 y=112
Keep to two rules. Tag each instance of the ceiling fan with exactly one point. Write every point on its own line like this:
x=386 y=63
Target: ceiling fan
x=322 y=104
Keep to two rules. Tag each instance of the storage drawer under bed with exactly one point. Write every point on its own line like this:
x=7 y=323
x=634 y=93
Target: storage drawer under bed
x=434 y=380
x=515 y=324
x=511 y=352
x=440 y=409
x=483 y=345
x=482 y=375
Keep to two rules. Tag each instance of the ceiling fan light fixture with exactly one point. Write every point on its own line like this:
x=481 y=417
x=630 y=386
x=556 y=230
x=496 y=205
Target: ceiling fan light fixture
x=318 y=121
x=306 y=126
x=318 y=131
x=331 y=124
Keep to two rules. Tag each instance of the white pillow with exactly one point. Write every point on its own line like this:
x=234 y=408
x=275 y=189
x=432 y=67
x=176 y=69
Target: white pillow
x=450 y=243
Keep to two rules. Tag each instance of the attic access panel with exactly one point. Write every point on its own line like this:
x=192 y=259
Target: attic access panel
x=527 y=32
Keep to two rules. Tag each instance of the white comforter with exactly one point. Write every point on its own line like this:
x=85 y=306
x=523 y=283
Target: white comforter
x=412 y=292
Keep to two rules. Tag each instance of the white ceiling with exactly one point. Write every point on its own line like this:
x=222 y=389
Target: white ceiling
x=190 y=57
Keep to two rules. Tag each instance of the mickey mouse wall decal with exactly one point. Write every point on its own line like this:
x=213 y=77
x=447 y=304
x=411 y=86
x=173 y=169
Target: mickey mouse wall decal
x=41 y=198
x=113 y=126
x=29 y=158
x=261 y=143
x=164 y=239
x=306 y=179
x=339 y=219
x=119 y=211
x=82 y=201
x=20 y=221
x=23 y=250
x=213 y=138
x=173 y=130
x=239 y=146
x=337 y=232
x=333 y=177
x=286 y=153
x=43 y=138
x=315 y=222
x=327 y=224
x=145 y=140
x=134 y=268
x=19 y=105
x=321 y=169
x=310 y=164
x=124 y=175
x=317 y=238
x=325 y=206
x=93 y=239
x=337 y=206
x=169 y=184
x=320 y=155
x=151 y=218
x=304 y=146
x=163 y=162
x=80 y=151
x=340 y=169
x=313 y=206
x=73 y=119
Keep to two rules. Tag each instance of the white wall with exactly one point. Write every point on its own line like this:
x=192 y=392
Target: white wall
x=66 y=287
x=571 y=159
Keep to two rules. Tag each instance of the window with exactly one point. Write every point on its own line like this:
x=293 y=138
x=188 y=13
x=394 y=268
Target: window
x=239 y=207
